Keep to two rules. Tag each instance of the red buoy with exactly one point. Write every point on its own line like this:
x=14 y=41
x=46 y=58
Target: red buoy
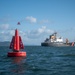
x=16 y=54
x=16 y=45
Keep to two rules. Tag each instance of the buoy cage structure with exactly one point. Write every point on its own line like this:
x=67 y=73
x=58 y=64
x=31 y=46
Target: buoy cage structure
x=16 y=45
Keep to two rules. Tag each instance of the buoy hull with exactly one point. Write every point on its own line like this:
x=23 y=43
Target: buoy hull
x=16 y=54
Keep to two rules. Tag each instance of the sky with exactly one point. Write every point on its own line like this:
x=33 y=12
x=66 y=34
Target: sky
x=38 y=19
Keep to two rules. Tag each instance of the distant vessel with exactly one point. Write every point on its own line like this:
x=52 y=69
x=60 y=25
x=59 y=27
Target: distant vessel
x=55 y=41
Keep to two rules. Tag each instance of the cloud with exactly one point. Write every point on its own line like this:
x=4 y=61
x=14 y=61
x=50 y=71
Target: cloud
x=42 y=29
x=35 y=37
x=29 y=37
x=34 y=20
x=4 y=26
x=40 y=32
x=44 y=21
x=31 y=19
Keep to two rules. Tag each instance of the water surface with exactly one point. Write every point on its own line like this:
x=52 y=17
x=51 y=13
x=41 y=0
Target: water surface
x=39 y=61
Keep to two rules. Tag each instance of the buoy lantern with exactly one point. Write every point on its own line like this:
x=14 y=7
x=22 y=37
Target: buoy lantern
x=16 y=45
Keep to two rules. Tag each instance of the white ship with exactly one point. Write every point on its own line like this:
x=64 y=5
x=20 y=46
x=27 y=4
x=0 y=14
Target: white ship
x=53 y=40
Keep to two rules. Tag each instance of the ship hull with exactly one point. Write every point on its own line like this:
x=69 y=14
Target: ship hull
x=54 y=44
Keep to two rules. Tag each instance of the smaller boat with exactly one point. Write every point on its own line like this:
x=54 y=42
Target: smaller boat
x=55 y=41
